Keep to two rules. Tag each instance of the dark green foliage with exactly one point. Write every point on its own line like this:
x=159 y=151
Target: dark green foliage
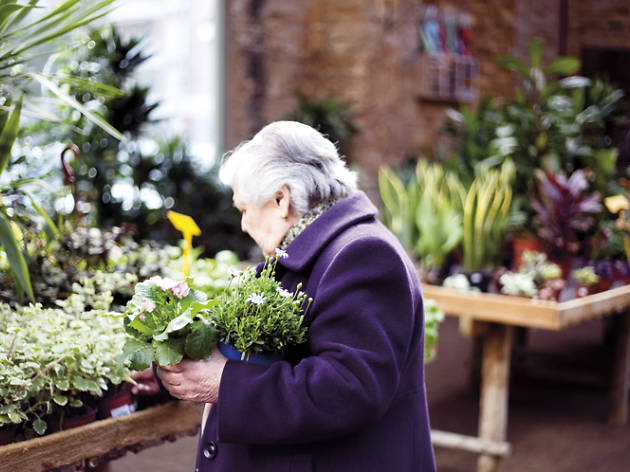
x=330 y=117
x=168 y=171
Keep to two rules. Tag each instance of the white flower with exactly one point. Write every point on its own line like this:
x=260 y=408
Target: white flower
x=163 y=283
x=234 y=272
x=284 y=293
x=256 y=299
x=281 y=254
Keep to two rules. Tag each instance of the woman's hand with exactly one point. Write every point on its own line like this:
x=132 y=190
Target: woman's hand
x=195 y=381
x=145 y=382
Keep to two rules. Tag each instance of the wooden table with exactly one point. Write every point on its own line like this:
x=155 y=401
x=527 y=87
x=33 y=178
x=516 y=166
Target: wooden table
x=92 y=444
x=492 y=318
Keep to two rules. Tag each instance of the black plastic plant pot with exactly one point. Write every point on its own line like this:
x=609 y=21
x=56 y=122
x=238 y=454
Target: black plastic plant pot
x=479 y=279
x=7 y=434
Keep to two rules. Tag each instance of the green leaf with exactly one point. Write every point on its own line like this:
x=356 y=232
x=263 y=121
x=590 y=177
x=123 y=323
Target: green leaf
x=512 y=63
x=14 y=416
x=49 y=223
x=536 y=52
x=201 y=341
x=15 y=257
x=40 y=426
x=178 y=323
x=6 y=11
x=76 y=403
x=563 y=66
x=60 y=400
x=8 y=135
x=140 y=354
x=107 y=91
x=138 y=325
x=80 y=384
x=93 y=117
x=169 y=352
x=62 y=384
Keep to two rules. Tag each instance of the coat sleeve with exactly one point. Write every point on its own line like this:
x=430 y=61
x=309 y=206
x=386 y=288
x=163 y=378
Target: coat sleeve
x=360 y=335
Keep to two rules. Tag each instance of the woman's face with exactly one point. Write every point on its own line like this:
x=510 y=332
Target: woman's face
x=267 y=224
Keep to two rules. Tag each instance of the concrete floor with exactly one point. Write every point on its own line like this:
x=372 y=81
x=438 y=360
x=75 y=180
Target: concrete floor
x=556 y=421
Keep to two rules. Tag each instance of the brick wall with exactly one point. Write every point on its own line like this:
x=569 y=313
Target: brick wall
x=365 y=52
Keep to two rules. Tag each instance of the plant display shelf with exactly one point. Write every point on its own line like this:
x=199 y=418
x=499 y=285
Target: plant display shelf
x=102 y=440
x=490 y=319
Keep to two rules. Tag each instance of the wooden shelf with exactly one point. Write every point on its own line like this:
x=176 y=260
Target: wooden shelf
x=520 y=311
x=111 y=437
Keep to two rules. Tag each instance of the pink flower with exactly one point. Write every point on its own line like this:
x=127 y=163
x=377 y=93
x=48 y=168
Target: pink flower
x=147 y=305
x=180 y=289
x=141 y=317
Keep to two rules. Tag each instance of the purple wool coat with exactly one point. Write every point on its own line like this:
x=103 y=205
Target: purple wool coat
x=354 y=399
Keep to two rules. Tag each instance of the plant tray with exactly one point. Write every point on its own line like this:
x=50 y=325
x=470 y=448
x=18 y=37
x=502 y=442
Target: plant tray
x=102 y=440
x=520 y=311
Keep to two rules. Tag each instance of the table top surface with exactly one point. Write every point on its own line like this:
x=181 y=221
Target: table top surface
x=521 y=311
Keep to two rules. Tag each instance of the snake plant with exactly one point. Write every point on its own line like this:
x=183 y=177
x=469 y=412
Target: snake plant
x=486 y=214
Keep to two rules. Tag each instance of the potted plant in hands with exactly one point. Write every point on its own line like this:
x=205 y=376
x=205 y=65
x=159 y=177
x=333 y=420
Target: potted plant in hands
x=166 y=320
x=256 y=319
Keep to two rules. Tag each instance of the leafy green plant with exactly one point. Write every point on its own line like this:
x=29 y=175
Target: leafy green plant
x=486 y=215
x=255 y=314
x=165 y=321
x=159 y=171
x=585 y=276
x=518 y=284
x=558 y=124
x=433 y=317
x=22 y=36
x=58 y=358
x=475 y=138
x=426 y=214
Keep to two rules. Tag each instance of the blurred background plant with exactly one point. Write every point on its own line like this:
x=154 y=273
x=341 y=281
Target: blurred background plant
x=136 y=181
x=555 y=143
x=329 y=116
x=30 y=33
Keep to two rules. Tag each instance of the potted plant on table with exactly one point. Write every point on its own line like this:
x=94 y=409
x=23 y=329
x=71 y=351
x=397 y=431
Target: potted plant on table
x=486 y=213
x=587 y=279
x=564 y=214
x=257 y=319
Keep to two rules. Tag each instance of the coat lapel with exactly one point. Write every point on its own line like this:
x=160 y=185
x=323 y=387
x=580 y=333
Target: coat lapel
x=314 y=238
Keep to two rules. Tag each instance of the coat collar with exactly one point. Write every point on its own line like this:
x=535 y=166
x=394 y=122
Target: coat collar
x=309 y=242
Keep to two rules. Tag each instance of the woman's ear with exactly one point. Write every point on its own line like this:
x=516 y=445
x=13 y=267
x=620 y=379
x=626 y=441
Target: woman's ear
x=283 y=200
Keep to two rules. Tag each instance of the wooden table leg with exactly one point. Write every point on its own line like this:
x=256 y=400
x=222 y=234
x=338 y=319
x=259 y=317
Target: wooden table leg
x=618 y=410
x=493 y=404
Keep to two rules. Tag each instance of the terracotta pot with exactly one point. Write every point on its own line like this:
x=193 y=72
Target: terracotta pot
x=7 y=434
x=520 y=244
x=117 y=404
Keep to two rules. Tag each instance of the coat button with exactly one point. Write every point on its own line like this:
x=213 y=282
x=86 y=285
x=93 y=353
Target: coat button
x=210 y=450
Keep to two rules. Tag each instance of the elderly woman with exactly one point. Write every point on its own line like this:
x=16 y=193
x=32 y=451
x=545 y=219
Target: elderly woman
x=354 y=398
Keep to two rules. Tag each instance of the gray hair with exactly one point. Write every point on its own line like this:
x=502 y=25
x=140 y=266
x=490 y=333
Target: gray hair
x=292 y=154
